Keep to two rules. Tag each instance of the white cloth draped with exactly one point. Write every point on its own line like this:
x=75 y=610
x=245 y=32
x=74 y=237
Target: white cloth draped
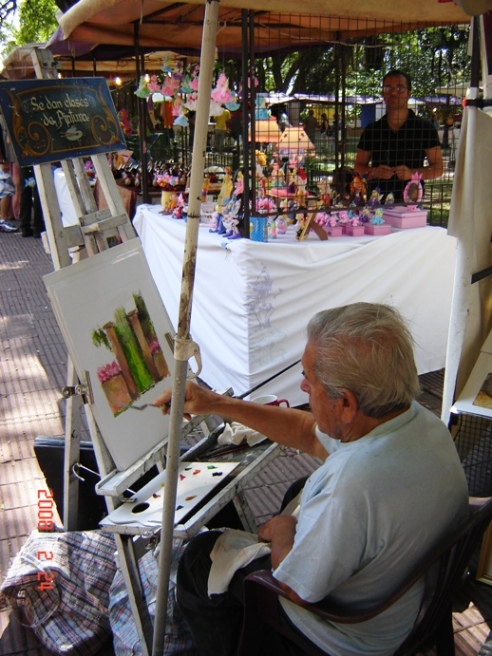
x=252 y=300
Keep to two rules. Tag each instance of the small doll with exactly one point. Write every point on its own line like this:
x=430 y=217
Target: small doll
x=377 y=219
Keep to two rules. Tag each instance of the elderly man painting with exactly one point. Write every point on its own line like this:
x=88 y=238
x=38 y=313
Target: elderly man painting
x=390 y=487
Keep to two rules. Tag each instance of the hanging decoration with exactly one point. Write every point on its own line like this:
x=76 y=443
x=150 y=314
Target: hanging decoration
x=180 y=84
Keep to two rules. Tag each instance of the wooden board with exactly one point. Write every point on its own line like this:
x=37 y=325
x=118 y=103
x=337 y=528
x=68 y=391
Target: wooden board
x=52 y=120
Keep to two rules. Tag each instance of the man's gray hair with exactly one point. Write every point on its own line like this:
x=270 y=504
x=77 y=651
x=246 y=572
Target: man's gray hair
x=367 y=349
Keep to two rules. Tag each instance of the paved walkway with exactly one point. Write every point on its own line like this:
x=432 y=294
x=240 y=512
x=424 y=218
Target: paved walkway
x=32 y=370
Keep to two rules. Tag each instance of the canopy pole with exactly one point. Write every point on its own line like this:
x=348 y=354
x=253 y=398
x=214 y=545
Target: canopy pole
x=465 y=177
x=184 y=349
x=142 y=117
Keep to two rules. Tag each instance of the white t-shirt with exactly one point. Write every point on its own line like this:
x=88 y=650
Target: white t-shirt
x=368 y=514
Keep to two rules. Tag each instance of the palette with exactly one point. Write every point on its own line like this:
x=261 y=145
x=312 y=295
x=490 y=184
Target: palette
x=195 y=481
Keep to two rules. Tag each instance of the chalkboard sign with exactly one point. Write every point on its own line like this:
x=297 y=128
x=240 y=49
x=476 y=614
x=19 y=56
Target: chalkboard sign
x=51 y=120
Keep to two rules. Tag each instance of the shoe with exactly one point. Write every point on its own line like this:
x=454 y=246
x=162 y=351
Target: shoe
x=6 y=226
x=26 y=232
x=36 y=235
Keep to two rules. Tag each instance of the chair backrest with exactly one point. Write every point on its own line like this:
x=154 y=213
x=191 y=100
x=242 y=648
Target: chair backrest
x=444 y=570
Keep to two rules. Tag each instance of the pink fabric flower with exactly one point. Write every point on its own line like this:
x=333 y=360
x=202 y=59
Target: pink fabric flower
x=170 y=86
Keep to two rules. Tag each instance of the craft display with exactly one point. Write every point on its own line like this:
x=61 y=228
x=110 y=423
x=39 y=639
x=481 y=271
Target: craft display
x=168 y=176
x=282 y=206
x=403 y=217
x=281 y=183
x=228 y=218
x=179 y=82
x=353 y=226
x=413 y=192
x=376 y=225
x=280 y=178
x=353 y=222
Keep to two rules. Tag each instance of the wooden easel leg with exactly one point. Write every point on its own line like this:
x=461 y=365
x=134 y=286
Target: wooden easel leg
x=129 y=568
x=71 y=454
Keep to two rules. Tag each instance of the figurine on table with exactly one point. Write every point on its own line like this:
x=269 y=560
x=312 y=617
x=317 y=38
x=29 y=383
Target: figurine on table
x=413 y=192
x=233 y=210
x=358 y=189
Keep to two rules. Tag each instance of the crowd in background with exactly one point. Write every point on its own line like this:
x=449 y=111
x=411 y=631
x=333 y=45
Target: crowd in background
x=20 y=205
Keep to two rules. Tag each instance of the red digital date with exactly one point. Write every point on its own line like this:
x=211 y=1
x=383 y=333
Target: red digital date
x=46 y=578
x=45 y=510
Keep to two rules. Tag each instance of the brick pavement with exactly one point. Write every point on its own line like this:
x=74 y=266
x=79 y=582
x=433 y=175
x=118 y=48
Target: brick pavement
x=32 y=370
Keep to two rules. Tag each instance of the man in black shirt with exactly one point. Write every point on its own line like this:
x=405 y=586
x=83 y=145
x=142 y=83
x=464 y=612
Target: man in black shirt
x=392 y=149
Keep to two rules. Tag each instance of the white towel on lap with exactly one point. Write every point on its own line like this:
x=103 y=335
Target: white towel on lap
x=233 y=550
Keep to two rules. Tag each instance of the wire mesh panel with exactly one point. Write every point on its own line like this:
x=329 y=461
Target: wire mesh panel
x=473 y=440
x=306 y=89
x=326 y=77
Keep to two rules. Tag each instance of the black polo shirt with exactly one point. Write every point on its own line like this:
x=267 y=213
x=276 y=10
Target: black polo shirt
x=405 y=147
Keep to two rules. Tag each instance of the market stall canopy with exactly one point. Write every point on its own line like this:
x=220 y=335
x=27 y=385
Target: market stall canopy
x=18 y=64
x=178 y=26
x=456 y=91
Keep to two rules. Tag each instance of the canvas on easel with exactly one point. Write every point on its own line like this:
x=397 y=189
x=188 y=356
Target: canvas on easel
x=115 y=325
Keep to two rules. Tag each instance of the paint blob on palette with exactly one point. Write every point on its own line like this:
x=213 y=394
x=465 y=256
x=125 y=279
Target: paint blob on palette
x=195 y=481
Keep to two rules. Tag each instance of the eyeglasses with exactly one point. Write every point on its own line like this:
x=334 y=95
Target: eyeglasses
x=399 y=88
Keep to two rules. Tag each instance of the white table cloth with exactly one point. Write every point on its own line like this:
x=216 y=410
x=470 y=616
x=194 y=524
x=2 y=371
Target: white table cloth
x=252 y=300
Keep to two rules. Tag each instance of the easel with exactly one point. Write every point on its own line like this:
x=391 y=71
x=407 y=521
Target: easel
x=96 y=231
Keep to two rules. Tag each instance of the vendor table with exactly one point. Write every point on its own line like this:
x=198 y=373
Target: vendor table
x=252 y=300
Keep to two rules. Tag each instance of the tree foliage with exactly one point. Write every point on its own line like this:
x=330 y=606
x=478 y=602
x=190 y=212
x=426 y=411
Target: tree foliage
x=36 y=21
x=433 y=57
x=9 y=7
